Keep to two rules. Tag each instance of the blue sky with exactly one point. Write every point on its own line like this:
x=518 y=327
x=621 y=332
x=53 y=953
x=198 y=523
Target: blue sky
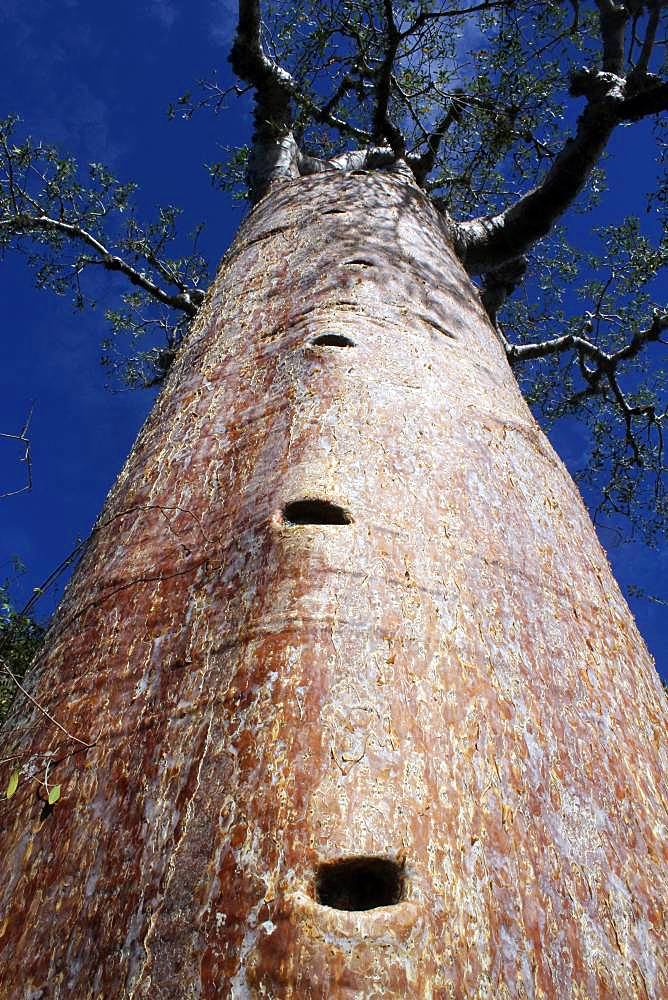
x=96 y=79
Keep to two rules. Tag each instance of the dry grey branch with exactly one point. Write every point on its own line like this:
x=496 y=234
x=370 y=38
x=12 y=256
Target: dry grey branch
x=23 y=438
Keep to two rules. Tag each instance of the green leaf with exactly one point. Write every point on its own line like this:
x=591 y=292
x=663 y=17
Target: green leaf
x=54 y=795
x=13 y=784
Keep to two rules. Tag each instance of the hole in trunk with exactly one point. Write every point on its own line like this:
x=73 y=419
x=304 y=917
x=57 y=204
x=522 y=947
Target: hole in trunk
x=332 y=340
x=359 y=883
x=313 y=511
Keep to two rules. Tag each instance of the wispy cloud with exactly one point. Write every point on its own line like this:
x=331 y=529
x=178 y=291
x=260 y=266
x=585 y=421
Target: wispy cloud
x=164 y=12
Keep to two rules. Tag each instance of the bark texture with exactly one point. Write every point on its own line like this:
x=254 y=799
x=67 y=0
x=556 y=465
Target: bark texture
x=451 y=683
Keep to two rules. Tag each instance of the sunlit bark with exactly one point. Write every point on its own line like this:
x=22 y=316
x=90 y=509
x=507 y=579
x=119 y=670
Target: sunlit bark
x=440 y=685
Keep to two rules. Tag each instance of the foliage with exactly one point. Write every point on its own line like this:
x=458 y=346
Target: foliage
x=69 y=222
x=493 y=76
x=605 y=294
x=20 y=640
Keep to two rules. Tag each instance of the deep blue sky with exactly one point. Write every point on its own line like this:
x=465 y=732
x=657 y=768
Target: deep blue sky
x=96 y=79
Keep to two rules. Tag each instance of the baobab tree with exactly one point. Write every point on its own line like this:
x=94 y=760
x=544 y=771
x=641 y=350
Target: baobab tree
x=343 y=699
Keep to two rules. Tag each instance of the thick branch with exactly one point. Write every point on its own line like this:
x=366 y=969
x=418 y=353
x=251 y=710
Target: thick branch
x=488 y=242
x=273 y=153
x=371 y=158
x=500 y=284
x=612 y=19
x=651 y=100
x=425 y=163
x=383 y=128
x=273 y=85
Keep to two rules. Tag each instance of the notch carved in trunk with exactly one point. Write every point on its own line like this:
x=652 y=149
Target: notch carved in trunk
x=360 y=883
x=315 y=511
x=332 y=340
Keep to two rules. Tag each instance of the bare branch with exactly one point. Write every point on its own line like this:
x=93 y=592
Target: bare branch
x=24 y=439
x=44 y=712
x=601 y=377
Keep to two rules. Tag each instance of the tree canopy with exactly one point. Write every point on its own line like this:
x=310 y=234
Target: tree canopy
x=501 y=112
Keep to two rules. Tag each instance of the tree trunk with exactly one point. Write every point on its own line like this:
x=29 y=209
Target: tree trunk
x=374 y=719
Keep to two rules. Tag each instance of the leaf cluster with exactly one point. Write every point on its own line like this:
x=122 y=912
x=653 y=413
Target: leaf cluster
x=20 y=640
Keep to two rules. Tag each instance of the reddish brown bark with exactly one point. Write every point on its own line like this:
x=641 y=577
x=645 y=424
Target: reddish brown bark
x=451 y=683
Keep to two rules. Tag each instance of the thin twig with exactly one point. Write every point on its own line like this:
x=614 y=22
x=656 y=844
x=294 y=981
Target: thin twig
x=24 y=439
x=44 y=711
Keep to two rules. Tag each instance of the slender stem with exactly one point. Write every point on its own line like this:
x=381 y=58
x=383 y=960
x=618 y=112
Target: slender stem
x=43 y=710
x=27 y=223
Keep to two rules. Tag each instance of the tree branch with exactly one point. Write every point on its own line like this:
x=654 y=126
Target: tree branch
x=607 y=363
x=24 y=439
x=187 y=301
x=642 y=65
x=602 y=378
x=273 y=85
x=558 y=345
x=652 y=99
x=274 y=152
x=487 y=243
x=425 y=162
x=383 y=128
x=70 y=736
x=500 y=284
x=437 y=15
x=612 y=19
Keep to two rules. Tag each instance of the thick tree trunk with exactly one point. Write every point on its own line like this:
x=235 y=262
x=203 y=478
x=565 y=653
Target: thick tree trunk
x=412 y=751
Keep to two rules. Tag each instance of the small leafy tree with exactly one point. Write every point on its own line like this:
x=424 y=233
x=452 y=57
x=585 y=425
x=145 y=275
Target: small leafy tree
x=21 y=638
